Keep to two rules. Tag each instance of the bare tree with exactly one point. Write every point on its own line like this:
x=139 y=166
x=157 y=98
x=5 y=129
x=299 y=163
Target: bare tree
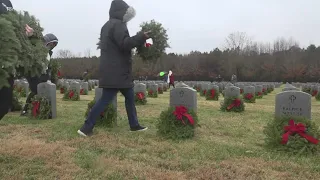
x=87 y=53
x=65 y=54
x=237 y=41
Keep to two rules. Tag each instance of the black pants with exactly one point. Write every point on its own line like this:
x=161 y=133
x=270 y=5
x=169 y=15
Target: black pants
x=33 y=84
x=6 y=95
x=171 y=84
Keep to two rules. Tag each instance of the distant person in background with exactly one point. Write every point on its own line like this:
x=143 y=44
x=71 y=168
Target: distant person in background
x=170 y=79
x=50 y=41
x=233 y=79
x=219 y=78
x=85 y=76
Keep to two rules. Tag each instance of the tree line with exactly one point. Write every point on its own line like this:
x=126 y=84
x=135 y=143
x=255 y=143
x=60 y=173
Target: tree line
x=282 y=60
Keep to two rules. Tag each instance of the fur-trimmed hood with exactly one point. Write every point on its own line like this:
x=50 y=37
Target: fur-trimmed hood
x=122 y=11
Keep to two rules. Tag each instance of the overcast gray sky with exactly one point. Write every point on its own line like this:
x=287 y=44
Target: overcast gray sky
x=192 y=24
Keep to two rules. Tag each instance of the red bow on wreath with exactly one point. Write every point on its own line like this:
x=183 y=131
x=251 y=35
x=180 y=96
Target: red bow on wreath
x=81 y=91
x=148 y=45
x=259 y=93
x=140 y=95
x=235 y=103
x=314 y=93
x=204 y=92
x=150 y=92
x=241 y=91
x=212 y=92
x=36 y=107
x=263 y=90
x=71 y=94
x=297 y=129
x=59 y=73
x=181 y=112
x=249 y=96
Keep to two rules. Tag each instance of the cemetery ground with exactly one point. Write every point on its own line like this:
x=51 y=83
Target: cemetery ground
x=226 y=146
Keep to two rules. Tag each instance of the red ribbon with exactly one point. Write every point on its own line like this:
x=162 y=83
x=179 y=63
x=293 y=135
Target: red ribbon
x=61 y=90
x=241 y=91
x=212 y=92
x=181 y=112
x=263 y=90
x=36 y=107
x=259 y=94
x=150 y=92
x=297 y=129
x=71 y=94
x=148 y=45
x=235 y=103
x=314 y=93
x=249 y=96
x=204 y=92
x=81 y=91
x=140 y=95
x=59 y=73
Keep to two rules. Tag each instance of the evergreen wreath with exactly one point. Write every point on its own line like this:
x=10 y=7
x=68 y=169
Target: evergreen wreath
x=177 y=123
x=10 y=49
x=16 y=103
x=306 y=90
x=160 y=90
x=203 y=92
x=32 y=58
x=20 y=90
x=152 y=94
x=140 y=98
x=71 y=95
x=63 y=90
x=212 y=94
x=317 y=97
x=294 y=136
x=40 y=107
x=55 y=70
x=259 y=95
x=249 y=98
x=264 y=91
x=232 y=104
x=83 y=91
x=241 y=91
x=107 y=118
x=314 y=93
x=160 y=41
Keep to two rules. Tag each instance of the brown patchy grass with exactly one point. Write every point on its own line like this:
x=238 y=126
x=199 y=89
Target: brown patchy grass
x=226 y=146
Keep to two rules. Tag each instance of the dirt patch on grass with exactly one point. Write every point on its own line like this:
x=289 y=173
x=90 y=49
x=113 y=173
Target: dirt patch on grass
x=56 y=155
x=251 y=168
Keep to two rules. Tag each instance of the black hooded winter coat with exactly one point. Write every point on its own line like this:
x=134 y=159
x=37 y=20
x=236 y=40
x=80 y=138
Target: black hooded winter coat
x=116 y=46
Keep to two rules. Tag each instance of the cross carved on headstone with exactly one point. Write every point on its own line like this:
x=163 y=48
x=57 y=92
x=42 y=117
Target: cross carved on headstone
x=181 y=93
x=292 y=98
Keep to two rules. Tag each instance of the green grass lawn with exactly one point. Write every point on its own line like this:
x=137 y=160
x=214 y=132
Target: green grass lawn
x=226 y=146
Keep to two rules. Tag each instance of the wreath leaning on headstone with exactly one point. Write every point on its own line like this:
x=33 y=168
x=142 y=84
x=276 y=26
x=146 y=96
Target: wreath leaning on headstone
x=177 y=123
x=16 y=103
x=107 y=118
x=259 y=95
x=152 y=94
x=294 y=136
x=151 y=52
x=71 y=95
x=40 y=107
x=249 y=98
x=160 y=90
x=140 y=98
x=212 y=94
x=83 y=91
x=232 y=104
